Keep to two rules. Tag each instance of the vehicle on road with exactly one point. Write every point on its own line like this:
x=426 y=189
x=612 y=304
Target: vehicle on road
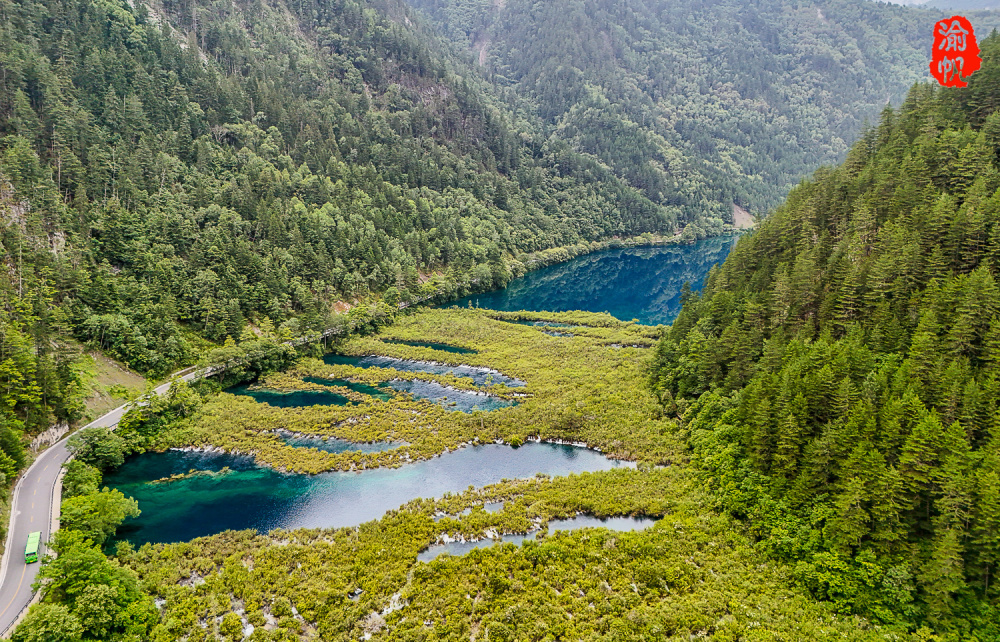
x=31 y=548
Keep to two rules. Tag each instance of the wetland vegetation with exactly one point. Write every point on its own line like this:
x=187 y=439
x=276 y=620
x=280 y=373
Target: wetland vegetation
x=301 y=571
x=572 y=390
x=221 y=181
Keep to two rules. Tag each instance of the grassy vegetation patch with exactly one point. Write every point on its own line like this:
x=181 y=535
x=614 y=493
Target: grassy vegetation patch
x=690 y=575
x=576 y=390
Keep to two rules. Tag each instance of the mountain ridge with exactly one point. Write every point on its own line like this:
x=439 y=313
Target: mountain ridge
x=706 y=104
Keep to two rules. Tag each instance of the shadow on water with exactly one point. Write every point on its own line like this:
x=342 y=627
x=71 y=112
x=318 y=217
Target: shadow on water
x=362 y=388
x=448 y=398
x=636 y=283
x=249 y=496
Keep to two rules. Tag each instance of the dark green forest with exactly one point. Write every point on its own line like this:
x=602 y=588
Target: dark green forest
x=209 y=180
x=177 y=172
x=182 y=172
x=837 y=378
x=701 y=104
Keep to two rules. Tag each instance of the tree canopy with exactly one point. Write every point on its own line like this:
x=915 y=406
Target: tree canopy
x=837 y=376
x=698 y=104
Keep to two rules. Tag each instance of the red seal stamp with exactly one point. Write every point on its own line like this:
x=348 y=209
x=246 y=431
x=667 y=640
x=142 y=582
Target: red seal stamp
x=955 y=55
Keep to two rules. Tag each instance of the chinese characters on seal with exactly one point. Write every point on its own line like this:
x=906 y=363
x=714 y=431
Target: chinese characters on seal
x=955 y=53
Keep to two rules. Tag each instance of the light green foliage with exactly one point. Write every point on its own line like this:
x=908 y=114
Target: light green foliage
x=578 y=389
x=80 y=479
x=837 y=378
x=96 y=515
x=692 y=574
x=103 y=599
x=231 y=627
x=98 y=447
x=143 y=423
x=48 y=623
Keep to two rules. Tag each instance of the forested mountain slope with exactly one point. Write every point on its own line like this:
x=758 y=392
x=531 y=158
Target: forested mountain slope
x=837 y=378
x=701 y=103
x=171 y=171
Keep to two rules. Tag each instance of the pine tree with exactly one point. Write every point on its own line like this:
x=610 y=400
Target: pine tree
x=986 y=524
x=925 y=354
x=919 y=458
x=942 y=575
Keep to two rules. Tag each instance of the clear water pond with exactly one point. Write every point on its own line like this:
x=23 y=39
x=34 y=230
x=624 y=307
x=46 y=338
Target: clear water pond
x=248 y=496
x=479 y=376
x=363 y=388
x=572 y=524
x=637 y=283
x=449 y=398
x=231 y=492
x=296 y=399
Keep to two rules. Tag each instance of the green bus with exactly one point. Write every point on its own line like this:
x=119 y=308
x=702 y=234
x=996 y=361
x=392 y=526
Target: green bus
x=31 y=549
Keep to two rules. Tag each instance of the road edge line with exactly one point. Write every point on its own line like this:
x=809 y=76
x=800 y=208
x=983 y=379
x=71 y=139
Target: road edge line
x=13 y=515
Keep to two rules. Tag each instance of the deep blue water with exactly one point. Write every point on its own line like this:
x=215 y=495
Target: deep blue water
x=296 y=399
x=641 y=283
x=636 y=283
x=363 y=388
x=448 y=398
x=248 y=496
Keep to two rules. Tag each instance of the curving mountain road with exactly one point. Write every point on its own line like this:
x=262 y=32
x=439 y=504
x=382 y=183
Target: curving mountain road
x=35 y=507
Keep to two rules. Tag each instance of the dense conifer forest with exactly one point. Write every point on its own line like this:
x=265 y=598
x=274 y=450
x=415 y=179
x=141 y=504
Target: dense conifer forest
x=701 y=104
x=216 y=181
x=175 y=173
x=837 y=378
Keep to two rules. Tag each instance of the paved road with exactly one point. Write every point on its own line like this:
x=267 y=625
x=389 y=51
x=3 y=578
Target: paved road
x=35 y=508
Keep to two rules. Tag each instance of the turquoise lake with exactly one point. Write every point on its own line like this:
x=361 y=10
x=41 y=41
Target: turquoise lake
x=297 y=399
x=231 y=492
x=248 y=496
x=641 y=283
